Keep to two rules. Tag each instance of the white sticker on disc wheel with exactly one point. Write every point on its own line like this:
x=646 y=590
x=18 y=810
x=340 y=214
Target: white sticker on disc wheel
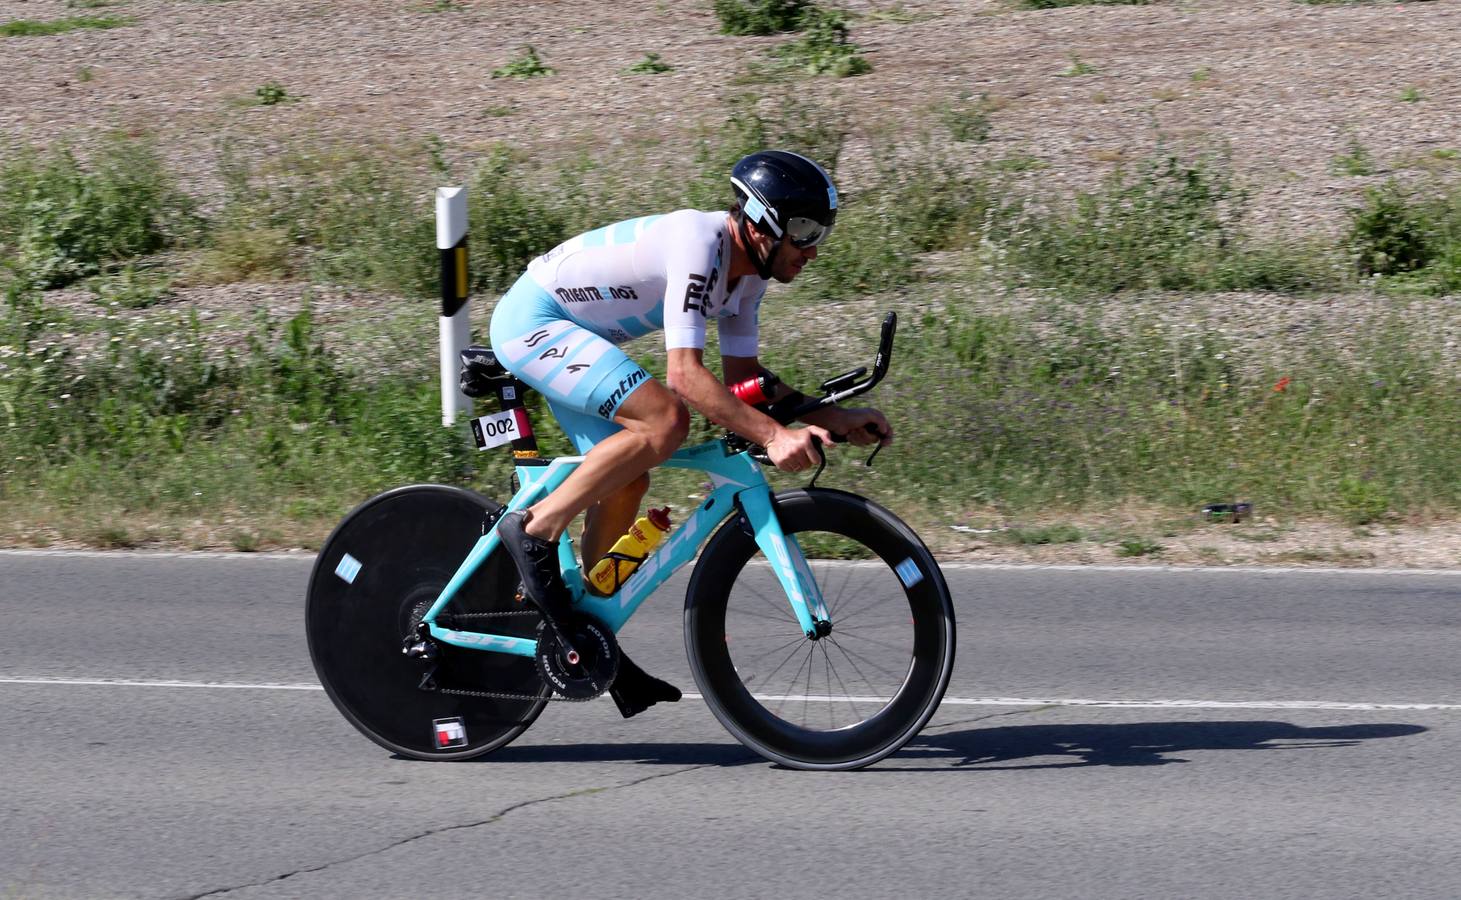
x=348 y=568
x=449 y=732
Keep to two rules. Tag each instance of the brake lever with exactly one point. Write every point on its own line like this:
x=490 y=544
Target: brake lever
x=822 y=454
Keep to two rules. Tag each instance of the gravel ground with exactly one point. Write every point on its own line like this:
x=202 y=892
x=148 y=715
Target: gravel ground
x=1283 y=86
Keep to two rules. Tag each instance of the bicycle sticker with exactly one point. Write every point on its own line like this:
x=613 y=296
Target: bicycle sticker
x=908 y=572
x=500 y=428
x=348 y=568
x=450 y=732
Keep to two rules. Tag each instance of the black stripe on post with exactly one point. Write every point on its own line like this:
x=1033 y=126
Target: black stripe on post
x=454 y=278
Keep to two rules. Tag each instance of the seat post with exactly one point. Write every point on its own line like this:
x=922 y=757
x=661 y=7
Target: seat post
x=510 y=393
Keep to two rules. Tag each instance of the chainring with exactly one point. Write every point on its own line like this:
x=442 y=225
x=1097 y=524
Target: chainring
x=598 y=661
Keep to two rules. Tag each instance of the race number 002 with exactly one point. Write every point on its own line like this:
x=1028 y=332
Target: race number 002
x=498 y=428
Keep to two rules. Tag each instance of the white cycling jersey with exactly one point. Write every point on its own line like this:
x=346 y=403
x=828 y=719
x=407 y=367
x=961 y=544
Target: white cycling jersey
x=628 y=279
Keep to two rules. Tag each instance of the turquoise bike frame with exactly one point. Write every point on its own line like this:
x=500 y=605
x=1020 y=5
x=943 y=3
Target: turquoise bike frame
x=738 y=484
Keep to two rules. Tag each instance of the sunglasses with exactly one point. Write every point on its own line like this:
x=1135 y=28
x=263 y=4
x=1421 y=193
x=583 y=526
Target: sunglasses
x=804 y=232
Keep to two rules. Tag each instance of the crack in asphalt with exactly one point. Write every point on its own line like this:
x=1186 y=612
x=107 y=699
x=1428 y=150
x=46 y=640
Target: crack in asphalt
x=581 y=792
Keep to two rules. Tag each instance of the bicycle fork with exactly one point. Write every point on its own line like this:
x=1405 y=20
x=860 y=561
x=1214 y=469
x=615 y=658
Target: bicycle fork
x=787 y=561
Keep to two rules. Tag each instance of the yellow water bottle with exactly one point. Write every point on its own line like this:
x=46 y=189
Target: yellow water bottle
x=628 y=552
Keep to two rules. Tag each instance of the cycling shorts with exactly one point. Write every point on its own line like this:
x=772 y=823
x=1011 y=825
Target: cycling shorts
x=583 y=375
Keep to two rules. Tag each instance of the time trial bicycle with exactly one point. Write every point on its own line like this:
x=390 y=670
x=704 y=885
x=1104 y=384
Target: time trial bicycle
x=818 y=626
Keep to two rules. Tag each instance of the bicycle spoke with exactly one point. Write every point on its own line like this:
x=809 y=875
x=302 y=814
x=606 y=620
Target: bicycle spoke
x=807 y=695
x=855 y=636
x=876 y=601
x=780 y=619
x=783 y=609
x=773 y=672
x=795 y=679
x=845 y=692
x=779 y=647
x=868 y=662
x=837 y=602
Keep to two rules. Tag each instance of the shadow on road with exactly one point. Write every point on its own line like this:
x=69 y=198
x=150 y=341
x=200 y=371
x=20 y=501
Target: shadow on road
x=727 y=754
x=1009 y=747
x=1134 y=744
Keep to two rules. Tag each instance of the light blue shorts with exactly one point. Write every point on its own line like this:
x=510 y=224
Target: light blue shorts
x=584 y=375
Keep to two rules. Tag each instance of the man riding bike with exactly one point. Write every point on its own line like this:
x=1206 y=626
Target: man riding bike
x=558 y=329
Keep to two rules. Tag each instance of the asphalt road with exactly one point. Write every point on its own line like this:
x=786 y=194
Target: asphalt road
x=1279 y=734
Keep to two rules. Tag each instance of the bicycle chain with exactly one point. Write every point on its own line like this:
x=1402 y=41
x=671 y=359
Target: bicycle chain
x=502 y=695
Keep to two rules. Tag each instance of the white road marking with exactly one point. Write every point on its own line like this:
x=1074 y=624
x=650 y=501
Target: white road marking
x=126 y=682
x=947 y=565
x=797 y=698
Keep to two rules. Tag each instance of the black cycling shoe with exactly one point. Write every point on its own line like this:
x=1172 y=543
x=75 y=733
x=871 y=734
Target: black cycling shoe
x=537 y=563
x=635 y=690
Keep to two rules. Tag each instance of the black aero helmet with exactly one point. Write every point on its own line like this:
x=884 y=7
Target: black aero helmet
x=787 y=195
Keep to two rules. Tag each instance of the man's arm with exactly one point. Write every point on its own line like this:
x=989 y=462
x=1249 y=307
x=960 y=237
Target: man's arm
x=697 y=386
x=851 y=422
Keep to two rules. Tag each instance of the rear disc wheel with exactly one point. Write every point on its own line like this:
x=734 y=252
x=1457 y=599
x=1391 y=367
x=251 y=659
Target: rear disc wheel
x=376 y=576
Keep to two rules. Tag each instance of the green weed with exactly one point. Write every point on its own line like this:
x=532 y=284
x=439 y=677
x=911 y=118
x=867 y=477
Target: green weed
x=1057 y=409
x=1077 y=68
x=967 y=121
x=131 y=288
x=1356 y=160
x=1411 y=239
x=352 y=214
x=1045 y=534
x=62 y=220
x=1411 y=95
x=525 y=65
x=1019 y=162
x=915 y=208
x=1172 y=224
x=824 y=48
x=650 y=65
x=272 y=93
x=761 y=17
x=33 y=28
x=1362 y=501
x=1138 y=546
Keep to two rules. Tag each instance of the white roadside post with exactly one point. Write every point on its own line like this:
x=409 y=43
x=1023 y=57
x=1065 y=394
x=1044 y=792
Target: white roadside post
x=456 y=332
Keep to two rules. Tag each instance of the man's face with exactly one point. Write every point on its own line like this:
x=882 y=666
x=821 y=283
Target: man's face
x=790 y=260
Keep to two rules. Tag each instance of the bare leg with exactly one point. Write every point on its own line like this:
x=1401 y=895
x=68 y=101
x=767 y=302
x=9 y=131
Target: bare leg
x=606 y=520
x=655 y=424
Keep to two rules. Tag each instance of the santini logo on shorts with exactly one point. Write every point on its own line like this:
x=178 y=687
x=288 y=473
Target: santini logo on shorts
x=592 y=294
x=622 y=391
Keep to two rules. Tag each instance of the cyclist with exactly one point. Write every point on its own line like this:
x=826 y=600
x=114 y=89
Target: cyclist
x=558 y=329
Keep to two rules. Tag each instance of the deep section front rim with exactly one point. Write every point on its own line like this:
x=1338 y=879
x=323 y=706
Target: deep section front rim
x=846 y=699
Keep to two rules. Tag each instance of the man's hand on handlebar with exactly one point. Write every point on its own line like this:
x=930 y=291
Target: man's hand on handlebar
x=863 y=426
x=795 y=449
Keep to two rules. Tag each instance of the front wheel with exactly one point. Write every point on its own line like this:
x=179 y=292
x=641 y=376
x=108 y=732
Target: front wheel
x=846 y=699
